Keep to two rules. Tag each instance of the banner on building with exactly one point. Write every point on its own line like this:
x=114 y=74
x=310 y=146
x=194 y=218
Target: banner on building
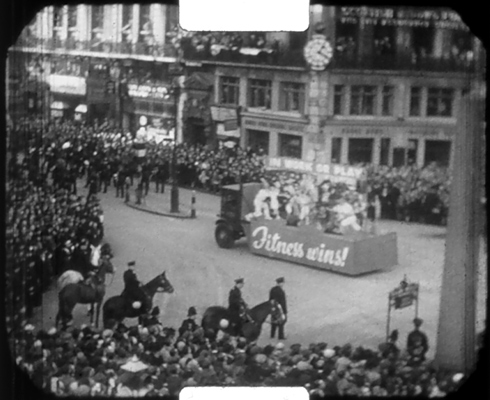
x=68 y=84
x=146 y=91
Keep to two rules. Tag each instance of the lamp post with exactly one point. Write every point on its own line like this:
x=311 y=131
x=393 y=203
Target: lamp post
x=174 y=191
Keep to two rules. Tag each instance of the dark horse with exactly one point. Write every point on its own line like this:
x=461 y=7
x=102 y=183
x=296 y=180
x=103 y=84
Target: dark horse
x=250 y=330
x=117 y=308
x=83 y=293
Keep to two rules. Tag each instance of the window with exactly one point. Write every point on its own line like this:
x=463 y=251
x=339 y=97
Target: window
x=423 y=41
x=292 y=96
x=438 y=151
x=258 y=141
x=413 y=145
x=338 y=99
x=415 y=101
x=346 y=39
x=384 y=40
x=336 y=150
x=127 y=23
x=97 y=17
x=362 y=100
x=387 y=100
x=360 y=151
x=229 y=91
x=57 y=17
x=72 y=16
x=260 y=93
x=145 y=22
x=384 y=152
x=290 y=146
x=440 y=102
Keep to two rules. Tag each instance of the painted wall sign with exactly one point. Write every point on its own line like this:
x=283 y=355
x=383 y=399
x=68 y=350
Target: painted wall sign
x=351 y=255
x=68 y=84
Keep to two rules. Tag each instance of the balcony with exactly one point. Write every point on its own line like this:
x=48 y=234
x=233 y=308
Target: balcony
x=398 y=63
x=244 y=55
x=120 y=49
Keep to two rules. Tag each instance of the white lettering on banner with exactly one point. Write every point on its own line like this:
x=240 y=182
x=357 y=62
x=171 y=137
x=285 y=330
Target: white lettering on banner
x=273 y=243
x=144 y=91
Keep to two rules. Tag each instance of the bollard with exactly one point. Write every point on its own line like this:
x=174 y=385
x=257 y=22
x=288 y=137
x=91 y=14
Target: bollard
x=193 y=204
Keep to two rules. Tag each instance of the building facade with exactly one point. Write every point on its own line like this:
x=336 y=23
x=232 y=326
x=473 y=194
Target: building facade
x=389 y=95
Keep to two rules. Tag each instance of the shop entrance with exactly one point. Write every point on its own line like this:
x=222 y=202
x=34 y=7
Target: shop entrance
x=438 y=151
x=195 y=132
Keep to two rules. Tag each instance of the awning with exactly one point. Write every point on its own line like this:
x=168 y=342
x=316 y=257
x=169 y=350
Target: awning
x=59 y=105
x=81 y=108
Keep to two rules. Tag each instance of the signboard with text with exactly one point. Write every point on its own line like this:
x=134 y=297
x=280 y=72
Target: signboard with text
x=334 y=172
x=67 y=84
x=351 y=255
x=146 y=91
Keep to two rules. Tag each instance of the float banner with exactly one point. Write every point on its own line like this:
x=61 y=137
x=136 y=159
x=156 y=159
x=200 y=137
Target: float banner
x=352 y=255
x=334 y=172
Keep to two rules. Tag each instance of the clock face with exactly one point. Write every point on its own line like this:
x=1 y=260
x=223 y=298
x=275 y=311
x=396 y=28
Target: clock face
x=318 y=53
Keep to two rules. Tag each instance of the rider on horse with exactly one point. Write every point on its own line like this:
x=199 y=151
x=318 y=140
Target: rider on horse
x=237 y=307
x=132 y=287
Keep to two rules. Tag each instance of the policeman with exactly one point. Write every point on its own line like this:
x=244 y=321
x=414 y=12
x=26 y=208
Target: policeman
x=277 y=293
x=189 y=325
x=132 y=286
x=417 y=343
x=236 y=306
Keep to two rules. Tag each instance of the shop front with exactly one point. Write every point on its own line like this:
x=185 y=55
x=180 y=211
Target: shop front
x=154 y=105
x=389 y=145
x=67 y=93
x=277 y=138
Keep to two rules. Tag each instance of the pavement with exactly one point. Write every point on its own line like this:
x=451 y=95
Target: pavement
x=323 y=305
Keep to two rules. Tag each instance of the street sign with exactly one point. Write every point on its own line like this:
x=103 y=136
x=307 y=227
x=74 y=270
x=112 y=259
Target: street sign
x=403 y=296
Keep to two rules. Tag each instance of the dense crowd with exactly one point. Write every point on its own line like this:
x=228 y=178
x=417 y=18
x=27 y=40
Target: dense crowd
x=152 y=360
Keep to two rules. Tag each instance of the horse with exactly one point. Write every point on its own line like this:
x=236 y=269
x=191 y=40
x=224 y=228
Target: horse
x=117 y=308
x=82 y=293
x=251 y=330
x=73 y=275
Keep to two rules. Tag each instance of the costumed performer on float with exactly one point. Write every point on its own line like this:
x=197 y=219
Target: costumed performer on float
x=346 y=216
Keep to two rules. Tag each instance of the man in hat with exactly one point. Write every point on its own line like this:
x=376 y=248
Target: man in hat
x=277 y=293
x=237 y=306
x=132 y=287
x=189 y=324
x=417 y=343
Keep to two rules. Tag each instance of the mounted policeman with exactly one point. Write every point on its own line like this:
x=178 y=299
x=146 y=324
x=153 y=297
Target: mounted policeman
x=237 y=307
x=133 y=291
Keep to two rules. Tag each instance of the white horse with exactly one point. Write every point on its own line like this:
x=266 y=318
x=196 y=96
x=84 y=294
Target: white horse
x=72 y=276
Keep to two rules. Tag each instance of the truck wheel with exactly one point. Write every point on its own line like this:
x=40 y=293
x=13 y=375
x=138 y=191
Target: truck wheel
x=224 y=236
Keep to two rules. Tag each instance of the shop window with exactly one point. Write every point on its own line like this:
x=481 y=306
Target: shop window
x=336 y=153
x=437 y=151
x=387 y=100
x=384 y=151
x=360 y=151
x=440 y=102
x=384 y=40
x=292 y=96
x=258 y=141
x=362 y=100
x=415 y=101
x=338 y=99
x=290 y=146
x=229 y=90
x=260 y=93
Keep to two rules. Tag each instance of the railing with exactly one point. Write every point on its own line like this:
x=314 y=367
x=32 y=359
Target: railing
x=397 y=62
x=129 y=49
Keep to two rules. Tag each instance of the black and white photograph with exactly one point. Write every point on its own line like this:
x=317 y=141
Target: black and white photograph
x=249 y=208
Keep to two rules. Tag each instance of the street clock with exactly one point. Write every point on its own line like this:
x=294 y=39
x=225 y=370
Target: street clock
x=318 y=52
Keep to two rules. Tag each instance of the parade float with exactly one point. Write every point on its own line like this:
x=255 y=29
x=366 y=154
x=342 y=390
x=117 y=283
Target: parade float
x=307 y=213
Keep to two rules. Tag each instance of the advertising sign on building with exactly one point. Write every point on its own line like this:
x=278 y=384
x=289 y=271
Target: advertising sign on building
x=146 y=91
x=68 y=84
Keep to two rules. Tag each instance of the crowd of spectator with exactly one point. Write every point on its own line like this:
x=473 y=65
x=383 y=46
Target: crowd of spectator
x=152 y=360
